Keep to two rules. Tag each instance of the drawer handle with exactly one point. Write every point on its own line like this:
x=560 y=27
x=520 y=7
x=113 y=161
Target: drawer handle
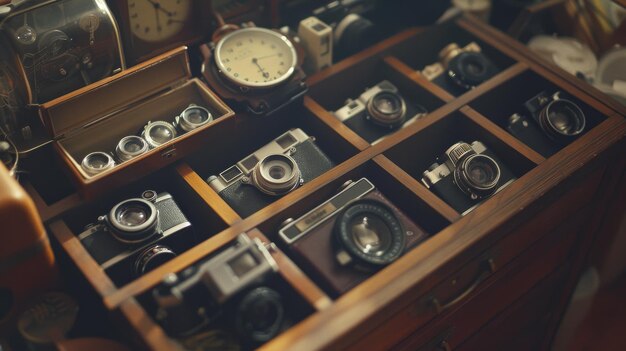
x=490 y=268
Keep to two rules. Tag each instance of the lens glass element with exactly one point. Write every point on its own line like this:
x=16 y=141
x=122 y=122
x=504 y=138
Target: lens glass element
x=161 y=134
x=370 y=234
x=133 y=214
x=387 y=108
x=565 y=118
x=196 y=115
x=482 y=171
x=97 y=162
x=276 y=174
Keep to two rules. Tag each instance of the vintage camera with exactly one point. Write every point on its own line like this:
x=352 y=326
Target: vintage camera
x=270 y=172
x=466 y=175
x=379 y=111
x=125 y=240
x=228 y=289
x=553 y=123
x=351 y=235
x=62 y=45
x=460 y=69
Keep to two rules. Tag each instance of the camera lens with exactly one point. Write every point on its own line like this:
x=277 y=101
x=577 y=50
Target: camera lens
x=387 y=109
x=193 y=117
x=130 y=146
x=562 y=119
x=478 y=175
x=469 y=69
x=97 y=162
x=158 y=133
x=260 y=315
x=276 y=174
x=151 y=258
x=370 y=231
x=133 y=220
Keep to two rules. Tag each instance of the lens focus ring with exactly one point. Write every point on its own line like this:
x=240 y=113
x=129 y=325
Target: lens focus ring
x=562 y=120
x=133 y=220
x=276 y=174
x=477 y=175
x=131 y=146
x=193 y=117
x=369 y=231
x=158 y=133
x=387 y=109
x=152 y=257
x=97 y=162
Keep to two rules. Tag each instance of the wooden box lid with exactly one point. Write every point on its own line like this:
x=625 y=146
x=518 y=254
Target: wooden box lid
x=106 y=97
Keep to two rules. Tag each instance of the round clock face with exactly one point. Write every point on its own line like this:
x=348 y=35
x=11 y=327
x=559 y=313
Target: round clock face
x=255 y=57
x=157 y=20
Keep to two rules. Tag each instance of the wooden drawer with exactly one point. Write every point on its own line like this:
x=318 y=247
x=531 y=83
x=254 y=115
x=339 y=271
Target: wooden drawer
x=475 y=274
x=498 y=292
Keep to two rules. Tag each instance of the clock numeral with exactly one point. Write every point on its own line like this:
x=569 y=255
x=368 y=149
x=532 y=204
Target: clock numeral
x=262 y=42
x=147 y=29
x=273 y=46
x=230 y=50
x=281 y=63
x=236 y=74
x=239 y=43
x=228 y=69
x=226 y=60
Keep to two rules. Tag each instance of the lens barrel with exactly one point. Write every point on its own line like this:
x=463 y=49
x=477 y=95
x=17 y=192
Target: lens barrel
x=562 y=120
x=276 y=174
x=158 y=133
x=97 y=162
x=133 y=220
x=131 y=146
x=387 y=109
x=193 y=117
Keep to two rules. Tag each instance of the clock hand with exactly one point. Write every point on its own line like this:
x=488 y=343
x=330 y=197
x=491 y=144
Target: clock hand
x=266 y=56
x=256 y=62
x=158 y=6
x=158 y=21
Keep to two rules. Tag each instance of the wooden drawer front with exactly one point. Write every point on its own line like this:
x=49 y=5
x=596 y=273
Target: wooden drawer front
x=522 y=326
x=500 y=290
x=472 y=276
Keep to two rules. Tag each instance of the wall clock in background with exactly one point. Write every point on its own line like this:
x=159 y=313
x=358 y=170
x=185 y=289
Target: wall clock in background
x=150 y=27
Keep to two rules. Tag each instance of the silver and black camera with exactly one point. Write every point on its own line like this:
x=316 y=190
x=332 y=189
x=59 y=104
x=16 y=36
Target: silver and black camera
x=270 y=172
x=227 y=290
x=467 y=174
x=549 y=123
x=460 y=69
x=350 y=236
x=379 y=111
x=138 y=235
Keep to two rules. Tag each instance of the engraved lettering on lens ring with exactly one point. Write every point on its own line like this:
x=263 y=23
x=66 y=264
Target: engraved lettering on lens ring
x=131 y=146
x=276 y=175
x=387 y=109
x=158 y=133
x=133 y=220
x=562 y=119
x=193 y=117
x=152 y=257
x=97 y=162
x=379 y=220
x=477 y=175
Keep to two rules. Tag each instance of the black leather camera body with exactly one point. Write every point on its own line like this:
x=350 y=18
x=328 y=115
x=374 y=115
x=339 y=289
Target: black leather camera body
x=138 y=235
x=460 y=69
x=379 y=111
x=346 y=239
x=230 y=290
x=272 y=171
x=549 y=123
x=466 y=175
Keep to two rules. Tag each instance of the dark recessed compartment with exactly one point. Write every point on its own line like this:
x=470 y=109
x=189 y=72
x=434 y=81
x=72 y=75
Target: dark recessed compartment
x=470 y=69
x=314 y=238
x=183 y=221
x=41 y=169
x=371 y=105
x=227 y=157
x=243 y=312
x=425 y=151
x=521 y=110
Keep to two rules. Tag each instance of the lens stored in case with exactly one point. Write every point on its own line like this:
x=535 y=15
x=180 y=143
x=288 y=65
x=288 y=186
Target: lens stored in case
x=97 y=162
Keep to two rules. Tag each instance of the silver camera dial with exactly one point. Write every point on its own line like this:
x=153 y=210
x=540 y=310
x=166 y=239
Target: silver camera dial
x=131 y=146
x=276 y=174
x=97 y=162
x=193 y=117
x=158 y=133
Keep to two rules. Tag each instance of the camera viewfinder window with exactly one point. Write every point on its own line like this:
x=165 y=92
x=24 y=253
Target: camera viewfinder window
x=242 y=264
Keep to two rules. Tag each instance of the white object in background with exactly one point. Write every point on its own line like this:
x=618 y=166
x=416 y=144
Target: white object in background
x=610 y=76
x=317 y=39
x=567 y=53
x=578 y=308
x=478 y=8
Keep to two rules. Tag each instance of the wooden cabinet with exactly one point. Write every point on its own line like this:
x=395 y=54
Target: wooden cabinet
x=496 y=277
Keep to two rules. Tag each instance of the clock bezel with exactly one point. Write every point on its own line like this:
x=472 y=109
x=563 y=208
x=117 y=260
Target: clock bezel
x=261 y=85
